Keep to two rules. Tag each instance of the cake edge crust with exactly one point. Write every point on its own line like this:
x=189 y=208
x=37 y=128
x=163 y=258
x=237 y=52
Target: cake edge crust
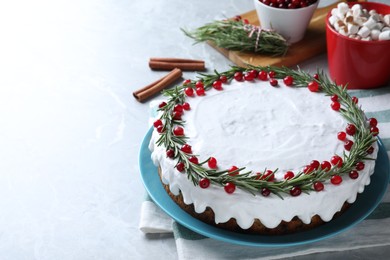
x=257 y=228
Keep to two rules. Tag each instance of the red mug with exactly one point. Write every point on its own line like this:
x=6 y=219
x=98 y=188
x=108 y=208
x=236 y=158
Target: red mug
x=360 y=64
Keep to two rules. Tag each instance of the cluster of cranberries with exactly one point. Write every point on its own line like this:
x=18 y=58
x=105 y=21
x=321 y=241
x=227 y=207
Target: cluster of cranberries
x=178 y=111
x=288 y=4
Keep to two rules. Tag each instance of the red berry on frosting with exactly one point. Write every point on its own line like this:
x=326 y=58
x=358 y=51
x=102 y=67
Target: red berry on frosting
x=162 y=104
x=336 y=179
x=370 y=150
x=318 y=186
x=372 y=121
x=268 y=176
x=199 y=84
x=313 y=86
x=272 y=74
x=238 y=76
x=288 y=80
x=194 y=159
x=273 y=82
x=160 y=129
x=186 y=82
x=223 y=78
x=315 y=76
x=178 y=108
x=359 y=166
x=249 y=76
x=254 y=73
x=348 y=145
x=217 y=85
x=334 y=97
x=186 y=106
x=204 y=183
x=288 y=175
x=176 y=115
x=230 y=187
x=186 y=148
x=295 y=191
x=178 y=131
x=157 y=123
x=200 y=91
x=335 y=105
x=233 y=170
x=350 y=129
x=315 y=164
x=212 y=163
x=308 y=169
x=341 y=136
x=337 y=161
x=170 y=153
x=265 y=192
x=189 y=92
x=355 y=100
x=180 y=167
x=326 y=166
x=374 y=130
x=263 y=75
x=353 y=174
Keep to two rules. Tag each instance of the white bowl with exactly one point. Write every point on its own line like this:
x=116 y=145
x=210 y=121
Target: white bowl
x=290 y=23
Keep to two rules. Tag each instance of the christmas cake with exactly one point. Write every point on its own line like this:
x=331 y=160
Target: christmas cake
x=264 y=150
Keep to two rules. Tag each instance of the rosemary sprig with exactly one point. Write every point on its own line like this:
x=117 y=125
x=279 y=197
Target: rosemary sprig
x=247 y=180
x=238 y=36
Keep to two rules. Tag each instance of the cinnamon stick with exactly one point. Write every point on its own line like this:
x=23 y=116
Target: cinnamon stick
x=170 y=63
x=150 y=90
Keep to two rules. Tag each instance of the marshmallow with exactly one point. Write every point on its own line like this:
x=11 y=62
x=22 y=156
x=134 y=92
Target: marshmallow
x=375 y=34
x=386 y=19
x=332 y=20
x=342 y=8
x=364 y=32
x=352 y=28
x=384 y=35
x=370 y=23
x=356 y=7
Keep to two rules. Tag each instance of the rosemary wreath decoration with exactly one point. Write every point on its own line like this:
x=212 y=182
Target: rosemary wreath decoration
x=200 y=173
x=238 y=35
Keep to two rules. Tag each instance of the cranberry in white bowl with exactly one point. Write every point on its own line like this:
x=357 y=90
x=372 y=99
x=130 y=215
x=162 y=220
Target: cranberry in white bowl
x=290 y=18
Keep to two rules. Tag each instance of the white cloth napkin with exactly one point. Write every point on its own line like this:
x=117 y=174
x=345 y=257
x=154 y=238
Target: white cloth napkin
x=372 y=232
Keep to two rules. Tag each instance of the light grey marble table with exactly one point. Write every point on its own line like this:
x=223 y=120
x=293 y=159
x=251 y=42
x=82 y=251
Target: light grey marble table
x=70 y=129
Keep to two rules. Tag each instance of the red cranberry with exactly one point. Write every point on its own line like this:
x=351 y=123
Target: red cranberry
x=180 y=167
x=233 y=171
x=326 y=166
x=186 y=148
x=353 y=174
x=204 y=183
x=238 y=76
x=189 y=91
x=336 y=179
x=295 y=191
x=170 y=153
x=230 y=187
x=212 y=163
x=288 y=175
x=263 y=75
x=318 y=186
x=337 y=161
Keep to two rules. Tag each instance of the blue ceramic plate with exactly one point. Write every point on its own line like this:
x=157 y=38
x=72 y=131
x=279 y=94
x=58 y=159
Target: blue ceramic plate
x=364 y=205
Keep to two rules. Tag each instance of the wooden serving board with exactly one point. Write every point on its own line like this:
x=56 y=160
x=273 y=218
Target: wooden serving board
x=314 y=43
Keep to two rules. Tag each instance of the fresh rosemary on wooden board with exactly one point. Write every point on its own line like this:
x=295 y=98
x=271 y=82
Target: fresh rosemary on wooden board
x=240 y=36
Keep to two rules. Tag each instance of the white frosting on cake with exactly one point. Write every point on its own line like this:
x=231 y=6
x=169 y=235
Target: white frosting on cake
x=257 y=126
